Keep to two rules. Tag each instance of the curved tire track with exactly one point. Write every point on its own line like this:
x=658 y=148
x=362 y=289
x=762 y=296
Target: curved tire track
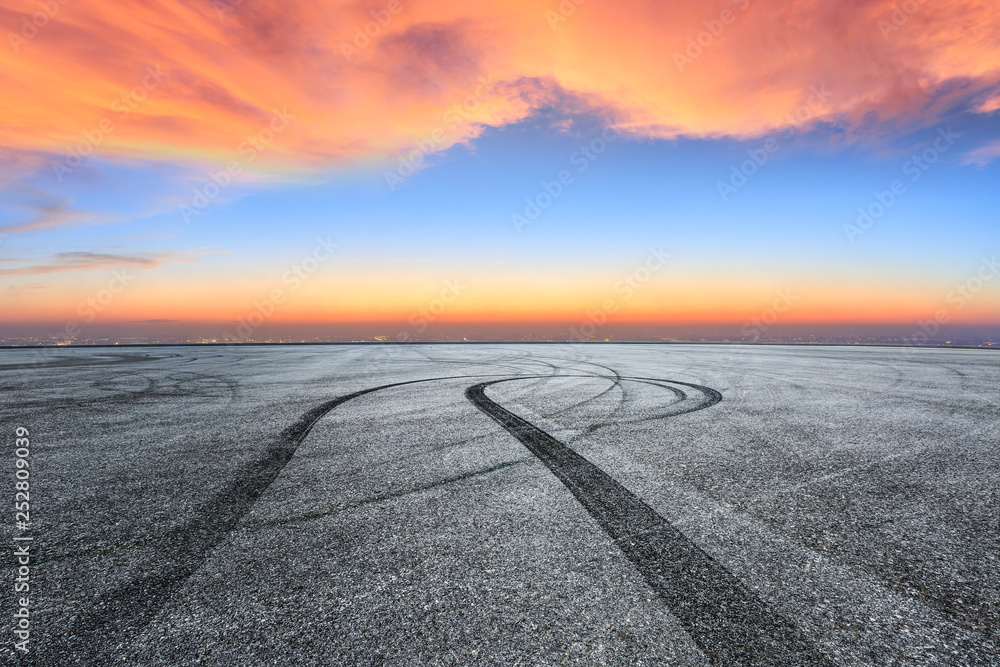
x=730 y=624
x=725 y=619
x=125 y=611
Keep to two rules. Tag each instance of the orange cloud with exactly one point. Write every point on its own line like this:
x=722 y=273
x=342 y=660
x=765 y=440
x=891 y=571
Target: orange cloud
x=365 y=80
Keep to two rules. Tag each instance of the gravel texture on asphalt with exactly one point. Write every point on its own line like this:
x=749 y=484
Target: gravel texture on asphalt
x=507 y=504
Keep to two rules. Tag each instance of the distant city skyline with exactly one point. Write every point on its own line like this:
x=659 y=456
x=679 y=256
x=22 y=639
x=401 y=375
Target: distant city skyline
x=754 y=170
x=389 y=332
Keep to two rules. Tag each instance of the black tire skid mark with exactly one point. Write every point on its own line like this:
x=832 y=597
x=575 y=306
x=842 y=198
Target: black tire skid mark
x=110 y=388
x=674 y=408
x=155 y=389
x=730 y=624
x=617 y=380
x=521 y=355
x=819 y=382
x=125 y=611
x=710 y=397
x=486 y=432
x=899 y=379
x=101 y=360
x=510 y=361
x=735 y=381
x=615 y=383
x=557 y=372
x=965 y=382
x=439 y=447
x=729 y=372
x=506 y=361
x=451 y=444
x=539 y=378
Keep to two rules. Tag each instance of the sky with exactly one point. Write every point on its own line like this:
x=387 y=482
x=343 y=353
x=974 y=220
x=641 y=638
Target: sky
x=416 y=170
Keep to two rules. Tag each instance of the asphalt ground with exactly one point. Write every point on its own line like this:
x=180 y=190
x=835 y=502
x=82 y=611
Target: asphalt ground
x=507 y=504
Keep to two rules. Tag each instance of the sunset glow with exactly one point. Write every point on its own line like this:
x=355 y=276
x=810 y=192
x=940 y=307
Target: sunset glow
x=430 y=167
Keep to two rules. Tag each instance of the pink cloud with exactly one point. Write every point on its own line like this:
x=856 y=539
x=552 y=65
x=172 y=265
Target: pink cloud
x=370 y=80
